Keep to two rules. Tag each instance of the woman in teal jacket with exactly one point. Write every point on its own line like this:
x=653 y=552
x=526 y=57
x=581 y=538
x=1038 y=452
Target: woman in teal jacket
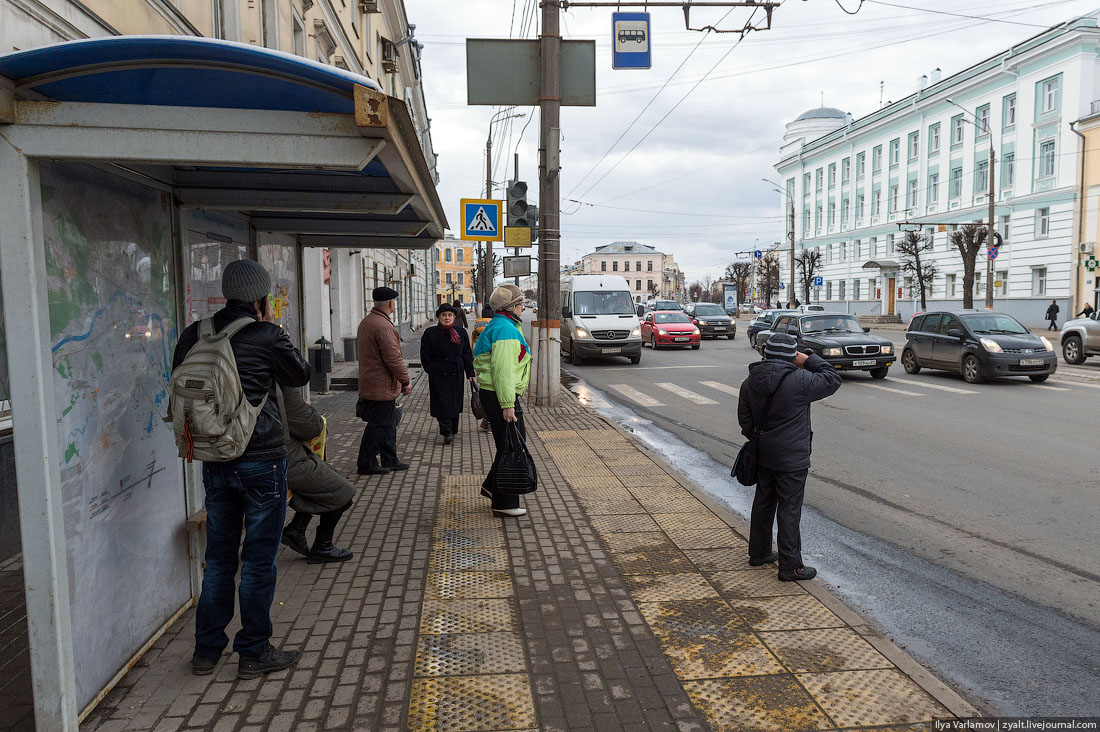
x=503 y=366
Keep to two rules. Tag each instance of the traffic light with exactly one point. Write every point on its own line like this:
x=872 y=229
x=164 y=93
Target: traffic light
x=517 y=204
x=533 y=218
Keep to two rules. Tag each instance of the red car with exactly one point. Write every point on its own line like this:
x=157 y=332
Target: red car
x=669 y=328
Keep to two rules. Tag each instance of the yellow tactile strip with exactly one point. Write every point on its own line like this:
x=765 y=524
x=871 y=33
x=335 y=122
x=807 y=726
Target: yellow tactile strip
x=470 y=671
x=753 y=653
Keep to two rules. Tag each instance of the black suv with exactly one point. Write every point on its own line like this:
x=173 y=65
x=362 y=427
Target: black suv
x=763 y=321
x=977 y=344
x=712 y=319
x=836 y=337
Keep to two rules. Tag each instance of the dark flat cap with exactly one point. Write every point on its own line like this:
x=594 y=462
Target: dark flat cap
x=384 y=294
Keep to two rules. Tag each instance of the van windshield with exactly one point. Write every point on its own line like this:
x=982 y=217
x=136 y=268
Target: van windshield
x=603 y=303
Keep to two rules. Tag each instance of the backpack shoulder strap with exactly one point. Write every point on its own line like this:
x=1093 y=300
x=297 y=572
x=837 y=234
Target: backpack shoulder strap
x=206 y=328
x=231 y=330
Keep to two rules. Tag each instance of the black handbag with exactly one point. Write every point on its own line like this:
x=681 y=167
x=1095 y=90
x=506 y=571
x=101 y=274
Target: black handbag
x=515 y=469
x=744 y=466
x=475 y=402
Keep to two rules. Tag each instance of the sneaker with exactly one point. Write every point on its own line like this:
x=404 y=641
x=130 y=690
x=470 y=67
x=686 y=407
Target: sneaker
x=797 y=575
x=204 y=665
x=295 y=538
x=773 y=557
x=510 y=511
x=397 y=466
x=328 y=552
x=485 y=425
x=273 y=659
x=448 y=439
x=373 y=471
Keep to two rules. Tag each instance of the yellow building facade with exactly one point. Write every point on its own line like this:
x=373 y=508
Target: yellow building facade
x=454 y=264
x=1087 y=224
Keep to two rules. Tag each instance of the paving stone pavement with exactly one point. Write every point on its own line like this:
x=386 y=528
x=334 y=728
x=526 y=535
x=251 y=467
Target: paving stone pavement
x=622 y=601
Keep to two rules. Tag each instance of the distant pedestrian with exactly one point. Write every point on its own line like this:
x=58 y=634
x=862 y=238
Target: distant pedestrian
x=249 y=491
x=460 y=315
x=383 y=377
x=1052 y=315
x=1087 y=311
x=791 y=381
x=503 y=366
x=319 y=489
x=447 y=360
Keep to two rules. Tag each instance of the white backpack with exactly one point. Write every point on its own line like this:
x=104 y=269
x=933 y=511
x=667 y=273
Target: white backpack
x=211 y=417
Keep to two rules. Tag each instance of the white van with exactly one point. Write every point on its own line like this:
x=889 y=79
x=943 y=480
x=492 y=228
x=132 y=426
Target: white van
x=598 y=319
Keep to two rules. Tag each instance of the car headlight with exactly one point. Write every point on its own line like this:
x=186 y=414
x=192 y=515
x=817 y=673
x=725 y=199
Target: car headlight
x=733 y=322
x=833 y=352
x=886 y=350
x=695 y=331
x=636 y=333
x=582 y=333
x=1048 y=344
x=662 y=331
x=991 y=345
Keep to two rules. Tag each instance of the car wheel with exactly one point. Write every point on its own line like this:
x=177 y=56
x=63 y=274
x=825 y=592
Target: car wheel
x=909 y=362
x=695 y=347
x=752 y=340
x=972 y=369
x=731 y=337
x=879 y=373
x=1072 y=351
x=1039 y=378
x=574 y=358
x=653 y=343
x=636 y=359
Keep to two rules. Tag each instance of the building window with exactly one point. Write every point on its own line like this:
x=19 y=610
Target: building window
x=914 y=145
x=893 y=203
x=806 y=184
x=450 y=278
x=459 y=255
x=876 y=203
x=845 y=170
x=1050 y=94
x=299 y=36
x=934 y=139
x=844 y=210
x=462 y=278
x=1000 y=284
x=1006 y=224
x=859 y=206
x=649 y=285
x=806 y=219
x=832 y=213
x=820 y=177
x=603 y=266
x=1042 y=222
x=437 y=279
x=614 y=266
x=1008 y=171
x=1038 y=281
x=911 y=195
x=828 y=254
x=649 y=266
x=872 y=247
x=1009 y=111
x=982 y=127
x=855 y=289
x=817 y=217
x=981 y=177
x=637 y=284
x=1046 y=159
x=829 y=290
x=956 y=130
x=842 y=284
x=895 y=152
x=876 y=160
x=861 y=165
x=956 y=183
x=889 y=243
x=832 y=175
x=843 y=251
x=447 y=255
x=933 y=188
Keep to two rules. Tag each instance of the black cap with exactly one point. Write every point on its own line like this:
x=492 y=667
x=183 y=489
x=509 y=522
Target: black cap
x=446 y=308
x=384 y=294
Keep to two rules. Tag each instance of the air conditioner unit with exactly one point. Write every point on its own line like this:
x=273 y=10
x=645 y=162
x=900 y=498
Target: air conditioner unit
x=389 y=56
x=368 y=6
x=1086 y=247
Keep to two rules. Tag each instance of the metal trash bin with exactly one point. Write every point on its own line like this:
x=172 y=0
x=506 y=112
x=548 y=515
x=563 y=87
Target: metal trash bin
x=351 y=349
x=320 y=362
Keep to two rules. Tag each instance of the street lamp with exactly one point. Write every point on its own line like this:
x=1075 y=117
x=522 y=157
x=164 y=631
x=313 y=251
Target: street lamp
x=992 y=201
x=487 y=261
x=790 y=231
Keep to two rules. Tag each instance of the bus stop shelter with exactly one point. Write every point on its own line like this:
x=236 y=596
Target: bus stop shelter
x=134 y=169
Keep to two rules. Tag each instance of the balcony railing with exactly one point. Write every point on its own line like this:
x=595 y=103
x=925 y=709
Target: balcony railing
x=1095 y=107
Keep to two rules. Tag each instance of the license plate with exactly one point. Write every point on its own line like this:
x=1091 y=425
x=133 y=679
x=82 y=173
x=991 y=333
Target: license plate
x=1032 y=361
x=719 y=328
x=681 y=339
x=611 y=350
x=870 y=362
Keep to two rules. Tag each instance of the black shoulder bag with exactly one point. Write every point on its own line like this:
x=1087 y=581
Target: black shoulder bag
x=744 y=467
x=515 y=468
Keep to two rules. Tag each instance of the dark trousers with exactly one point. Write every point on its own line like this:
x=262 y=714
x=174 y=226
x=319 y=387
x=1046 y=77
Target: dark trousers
x=252 y=493
x=778 y=499
x=327 y=527
x=495 y=414
x=380 y=434
x=1053 y=324
x=448 y=425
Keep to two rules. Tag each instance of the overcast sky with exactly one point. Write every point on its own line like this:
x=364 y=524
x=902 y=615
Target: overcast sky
x=693 y=186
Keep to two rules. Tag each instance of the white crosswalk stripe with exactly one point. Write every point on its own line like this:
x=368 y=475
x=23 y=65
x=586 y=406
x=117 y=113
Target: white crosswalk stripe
x=921 y=384
x=1049 y=388
x=1073 y=383
x=726 y=388
x=685 y=393
x=887 y=388
x=634 y=395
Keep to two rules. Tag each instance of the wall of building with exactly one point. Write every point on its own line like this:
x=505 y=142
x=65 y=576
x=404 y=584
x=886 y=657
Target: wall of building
x=454 y=263
x=1087 y=285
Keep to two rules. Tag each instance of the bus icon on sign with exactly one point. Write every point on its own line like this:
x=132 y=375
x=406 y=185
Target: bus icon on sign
x=626 y=35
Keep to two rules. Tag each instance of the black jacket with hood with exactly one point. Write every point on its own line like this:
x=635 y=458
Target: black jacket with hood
x=785 y=446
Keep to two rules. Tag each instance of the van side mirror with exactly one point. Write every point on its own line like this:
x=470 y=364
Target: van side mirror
x=954 y=333
x=866 y=329
x=566 y=312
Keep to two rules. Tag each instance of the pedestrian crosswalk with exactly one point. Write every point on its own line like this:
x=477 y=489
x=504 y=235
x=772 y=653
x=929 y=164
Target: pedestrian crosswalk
x=636 y=396
x=726 y=388
x=685 y=393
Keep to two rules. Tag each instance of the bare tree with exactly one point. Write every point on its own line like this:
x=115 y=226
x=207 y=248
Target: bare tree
x=740 y=274
x=969 y=240
x=767 y=275
x=707 y=284
x=808 y=262
x=695 y=291
x=910 y=249
x=475 y=273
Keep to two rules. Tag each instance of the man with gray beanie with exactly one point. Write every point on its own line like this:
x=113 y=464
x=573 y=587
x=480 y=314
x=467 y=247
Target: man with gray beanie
x=789 y=381
x=250 y=490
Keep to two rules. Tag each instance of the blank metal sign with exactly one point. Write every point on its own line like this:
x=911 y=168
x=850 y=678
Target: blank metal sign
x=506 y=71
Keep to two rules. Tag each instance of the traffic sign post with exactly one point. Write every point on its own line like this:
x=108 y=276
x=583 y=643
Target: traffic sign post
x=481 y=220
x=758 y=254
x=819 y=281
x=630 y=37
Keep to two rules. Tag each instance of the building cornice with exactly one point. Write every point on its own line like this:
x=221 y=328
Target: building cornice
x=62 y=26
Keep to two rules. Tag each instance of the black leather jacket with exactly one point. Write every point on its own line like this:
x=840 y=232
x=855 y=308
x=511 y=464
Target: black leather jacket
x=265 y=356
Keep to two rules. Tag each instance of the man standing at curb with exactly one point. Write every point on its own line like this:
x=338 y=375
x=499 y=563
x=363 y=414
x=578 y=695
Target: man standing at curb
x=250 y=490
x=793 y=380
x=382 y=378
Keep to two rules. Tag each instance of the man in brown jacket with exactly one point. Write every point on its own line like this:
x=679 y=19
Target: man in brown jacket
x=382 y=377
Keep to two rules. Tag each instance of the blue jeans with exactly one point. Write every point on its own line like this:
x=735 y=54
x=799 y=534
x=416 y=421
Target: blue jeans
x=252 y=494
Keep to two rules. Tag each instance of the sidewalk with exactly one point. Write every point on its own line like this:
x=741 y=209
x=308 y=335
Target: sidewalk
x=622 y=601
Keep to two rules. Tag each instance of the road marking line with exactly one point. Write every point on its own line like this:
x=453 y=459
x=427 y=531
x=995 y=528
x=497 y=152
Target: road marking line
x=633 y=394
x=1049 y=388
x=1073 y=383
x=685 y=393
x=732 y=390
x=658 y=368
x=887 y=388
x=952 y=389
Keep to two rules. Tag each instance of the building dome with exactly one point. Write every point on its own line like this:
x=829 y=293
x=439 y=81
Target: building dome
x=815 y=123
x=821 y=113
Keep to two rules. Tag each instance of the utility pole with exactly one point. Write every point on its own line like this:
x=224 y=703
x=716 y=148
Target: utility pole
x=487 y=262
x=790 y=235
x=989 y=240
x=548 y=326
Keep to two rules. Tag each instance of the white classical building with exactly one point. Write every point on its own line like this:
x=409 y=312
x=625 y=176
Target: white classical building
x=648 y=271
x=923 y=159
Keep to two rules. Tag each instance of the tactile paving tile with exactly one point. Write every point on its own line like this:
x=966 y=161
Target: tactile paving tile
x=656 y=479
x=735 y=558
x=460 y=538
x=458 y=654
x=470 y=703
x=796 y=612
x=767 y=703
x=463 y=479
x=616 y=452
x=602 y=507
x=551 y=435
x=466 y=616
x=705 y=639
x=627 y=458
x=694 y=520
x=670 y=503
x=606 y=494
x=750 y=583
x=482 y=519
x=824 y=649
x=663 y=587
x=704 y=538
x=623 y=523
x=870 y=698
x=462 y=585
x=635 y=470
x=583 y=485
x=449 y=559
x=590 y=470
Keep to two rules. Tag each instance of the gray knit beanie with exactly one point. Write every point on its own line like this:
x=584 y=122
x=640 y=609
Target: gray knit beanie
x=782 y=346
x=245 y=280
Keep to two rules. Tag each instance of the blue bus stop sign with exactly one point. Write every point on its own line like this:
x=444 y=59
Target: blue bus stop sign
x=630 y=41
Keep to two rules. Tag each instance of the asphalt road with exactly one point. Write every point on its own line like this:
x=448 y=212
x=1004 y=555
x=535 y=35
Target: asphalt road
x=962 y=519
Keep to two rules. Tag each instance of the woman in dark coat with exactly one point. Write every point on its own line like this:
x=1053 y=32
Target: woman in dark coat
x=446 y=357
x=460 y=315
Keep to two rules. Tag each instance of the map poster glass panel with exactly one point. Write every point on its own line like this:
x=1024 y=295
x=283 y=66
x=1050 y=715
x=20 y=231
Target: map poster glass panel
x=110 y=266
x=279 y=256
x=214 y=239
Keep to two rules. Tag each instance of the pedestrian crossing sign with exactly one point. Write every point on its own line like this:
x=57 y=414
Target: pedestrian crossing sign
x=481 y=220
